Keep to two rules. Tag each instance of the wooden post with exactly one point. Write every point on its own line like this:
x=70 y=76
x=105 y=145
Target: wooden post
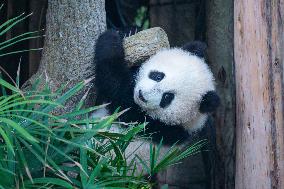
x=259 y=53
x=36 y=23
x=220 y=53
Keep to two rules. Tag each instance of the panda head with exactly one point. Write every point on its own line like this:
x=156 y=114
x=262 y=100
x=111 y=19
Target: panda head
x=176 y=86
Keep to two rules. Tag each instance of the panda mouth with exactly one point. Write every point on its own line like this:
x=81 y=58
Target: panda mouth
x=141 y=97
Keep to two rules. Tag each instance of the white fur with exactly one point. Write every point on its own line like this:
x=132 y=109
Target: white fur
x=187 y=75
x=100 y=113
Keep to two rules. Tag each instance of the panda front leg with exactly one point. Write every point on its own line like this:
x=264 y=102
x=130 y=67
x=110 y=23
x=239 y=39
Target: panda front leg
x=113 y=81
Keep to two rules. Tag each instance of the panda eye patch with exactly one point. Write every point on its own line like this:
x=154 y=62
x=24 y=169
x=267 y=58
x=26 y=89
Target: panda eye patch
x=156 y=76
x=167 y=98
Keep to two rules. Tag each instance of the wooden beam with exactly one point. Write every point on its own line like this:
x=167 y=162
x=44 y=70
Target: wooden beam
x=259 y=93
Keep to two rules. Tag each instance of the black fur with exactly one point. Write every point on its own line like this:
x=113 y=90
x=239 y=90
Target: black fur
x=167 y=99
x=210 y=101
x=115 y=83
x=156 y=76
x=196 y=47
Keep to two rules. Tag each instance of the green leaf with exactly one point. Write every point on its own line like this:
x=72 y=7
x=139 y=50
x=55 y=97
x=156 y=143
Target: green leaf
x=28 y=102
x=49 y=180
x=20 y=51
x=8 y=85
x=18 y=128
x=51 y=162
x=96 y=172
x=11 y=23
x=18 y=37
x=80 y=112
x=7 y=140
x=23 y=160
x=17 y=41
x=4 y=92
x=83 y=171
x=152 y=156
x=28 y=120
x=144 y=164
x=7 y=171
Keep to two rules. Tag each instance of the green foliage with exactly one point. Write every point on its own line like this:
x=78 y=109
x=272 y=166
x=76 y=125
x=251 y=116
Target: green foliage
x=7 y=26
x=141 y=20
x=159 y=162
x=38 y=148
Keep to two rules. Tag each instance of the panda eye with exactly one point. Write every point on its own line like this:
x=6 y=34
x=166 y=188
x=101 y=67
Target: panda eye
x=156 y=76
x=167 y=98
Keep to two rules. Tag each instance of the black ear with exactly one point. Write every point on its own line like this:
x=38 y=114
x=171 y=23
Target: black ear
x=196 y=47
x=209 y=102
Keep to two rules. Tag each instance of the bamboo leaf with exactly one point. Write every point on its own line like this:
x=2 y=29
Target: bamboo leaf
x=12 y=22
x=96 y=172
x=7 y=140
x=144 y=164
x=28 y=102
x=83 y=162
x=18 y=41
x=18 y=128
x=49 y=180
x=8 y=85
x=23 y=160
x=20 y=51
x=17 y=37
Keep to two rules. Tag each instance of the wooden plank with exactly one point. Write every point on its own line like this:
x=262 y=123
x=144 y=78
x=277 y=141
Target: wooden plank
x=259 y=90
x=219 y=37
x=36 y=23
x=15 y=8
x=177 y=18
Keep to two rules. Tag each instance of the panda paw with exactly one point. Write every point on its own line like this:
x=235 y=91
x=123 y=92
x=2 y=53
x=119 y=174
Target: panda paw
x=109 y=46
x=210 y=102
x=197 y=48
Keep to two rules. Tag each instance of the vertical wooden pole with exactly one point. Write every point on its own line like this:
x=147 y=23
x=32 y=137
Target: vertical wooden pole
x=14 y=9
x=36 y=23
x=259 y=54
x=220 y=51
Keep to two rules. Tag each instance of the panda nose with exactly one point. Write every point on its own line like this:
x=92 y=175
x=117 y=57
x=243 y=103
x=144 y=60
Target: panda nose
x=142 y=97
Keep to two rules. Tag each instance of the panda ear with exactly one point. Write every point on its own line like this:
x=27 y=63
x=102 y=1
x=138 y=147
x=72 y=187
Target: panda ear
x=209 y=102
x=196 y=47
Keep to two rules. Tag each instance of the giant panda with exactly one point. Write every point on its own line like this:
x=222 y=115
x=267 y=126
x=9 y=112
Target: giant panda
x=173 y=91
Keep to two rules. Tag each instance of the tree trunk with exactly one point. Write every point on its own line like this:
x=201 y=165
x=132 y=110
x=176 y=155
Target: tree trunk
x=72 y=27
x=259 y=56
x=219 y=34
